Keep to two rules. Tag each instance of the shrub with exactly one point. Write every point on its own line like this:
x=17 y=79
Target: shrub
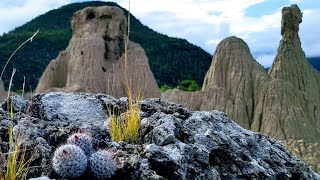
x=165 y=87
x=189 y=85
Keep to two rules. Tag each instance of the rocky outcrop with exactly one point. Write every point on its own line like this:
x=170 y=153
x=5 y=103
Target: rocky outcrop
x=175 y=143
x=94 y=59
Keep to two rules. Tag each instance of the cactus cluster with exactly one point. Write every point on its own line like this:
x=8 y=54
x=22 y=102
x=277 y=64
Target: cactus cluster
x=76 y=157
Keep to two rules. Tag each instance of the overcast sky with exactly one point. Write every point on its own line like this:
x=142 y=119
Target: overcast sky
x=202 y=22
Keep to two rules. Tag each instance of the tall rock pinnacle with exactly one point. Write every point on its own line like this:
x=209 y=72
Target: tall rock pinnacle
x=290 y=63
x=94 y=59
x=233 y=81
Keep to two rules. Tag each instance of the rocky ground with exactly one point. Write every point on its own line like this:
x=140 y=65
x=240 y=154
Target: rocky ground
x=176 y=143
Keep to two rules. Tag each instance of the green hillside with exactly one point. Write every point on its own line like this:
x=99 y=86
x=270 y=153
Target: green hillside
x=315 y=62
x=171 y=59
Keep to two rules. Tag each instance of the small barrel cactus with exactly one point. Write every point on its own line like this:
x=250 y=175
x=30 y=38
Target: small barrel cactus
x=69 y=161
x=102 y=164
x=83 y=140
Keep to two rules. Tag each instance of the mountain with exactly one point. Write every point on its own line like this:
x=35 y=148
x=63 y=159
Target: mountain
x=171 y=59
x=315 y=62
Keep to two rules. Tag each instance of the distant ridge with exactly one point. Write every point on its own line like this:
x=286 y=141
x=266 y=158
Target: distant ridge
x=171 y=59
x=314 y=61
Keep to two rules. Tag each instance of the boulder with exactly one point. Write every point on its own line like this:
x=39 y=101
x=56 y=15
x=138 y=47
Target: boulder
x=94 y=60
x=175 y=143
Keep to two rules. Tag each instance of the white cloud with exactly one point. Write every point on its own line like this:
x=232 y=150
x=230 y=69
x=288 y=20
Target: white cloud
x=295 y=1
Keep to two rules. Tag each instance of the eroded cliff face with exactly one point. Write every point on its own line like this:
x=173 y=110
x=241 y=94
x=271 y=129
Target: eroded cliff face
x=94 y=60
x=233 y=81
x=283 y=103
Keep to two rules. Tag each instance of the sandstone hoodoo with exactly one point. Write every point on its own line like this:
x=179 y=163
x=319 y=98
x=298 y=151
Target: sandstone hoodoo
x=231 y=84
x=175 y=143
x=283 y=103
x=94 y=59
x=288 y=105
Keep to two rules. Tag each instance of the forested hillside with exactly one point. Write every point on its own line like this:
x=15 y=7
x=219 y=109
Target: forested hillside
x=172 y=60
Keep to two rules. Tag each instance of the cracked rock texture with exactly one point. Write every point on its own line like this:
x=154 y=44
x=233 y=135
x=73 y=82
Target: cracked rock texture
x=94 y=59
x=176 y=143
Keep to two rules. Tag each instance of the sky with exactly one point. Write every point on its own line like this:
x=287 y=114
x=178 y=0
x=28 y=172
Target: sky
x=202 y=22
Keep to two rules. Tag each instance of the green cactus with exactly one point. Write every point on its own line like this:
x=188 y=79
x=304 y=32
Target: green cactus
x=83 y=140
x=102 y=164
x=69 y=161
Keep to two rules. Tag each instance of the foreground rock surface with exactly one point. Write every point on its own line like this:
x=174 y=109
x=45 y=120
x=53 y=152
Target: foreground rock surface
x=94 y=60
x=176 y=143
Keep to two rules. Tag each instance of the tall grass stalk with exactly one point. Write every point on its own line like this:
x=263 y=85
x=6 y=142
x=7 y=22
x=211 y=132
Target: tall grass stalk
x=30 y=39
x=127 y=128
